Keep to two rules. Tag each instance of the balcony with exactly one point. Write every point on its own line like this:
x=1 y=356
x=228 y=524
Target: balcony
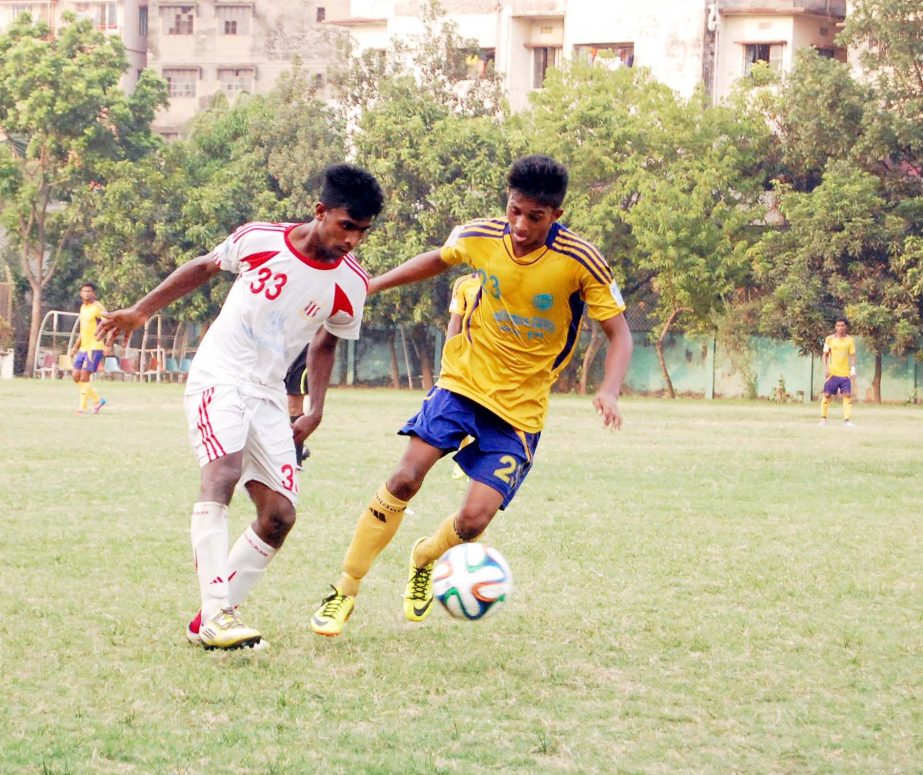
x=833 y=8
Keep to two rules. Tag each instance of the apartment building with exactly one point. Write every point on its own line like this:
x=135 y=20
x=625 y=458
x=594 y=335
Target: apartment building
x=217 y=46
x=126 y=18
x=684 y=42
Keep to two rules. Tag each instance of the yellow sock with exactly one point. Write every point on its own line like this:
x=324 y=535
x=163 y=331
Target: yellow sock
x=847 y=407
x=91 y=392
x=374 y=531
x=432 y=548
x=84 y=397
x=824 y=406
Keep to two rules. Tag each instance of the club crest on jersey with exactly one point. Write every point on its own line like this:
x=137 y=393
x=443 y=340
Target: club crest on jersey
x=543 y=301
x=311 y=310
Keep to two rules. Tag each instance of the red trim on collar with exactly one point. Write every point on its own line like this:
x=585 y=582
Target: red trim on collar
x=305 y=259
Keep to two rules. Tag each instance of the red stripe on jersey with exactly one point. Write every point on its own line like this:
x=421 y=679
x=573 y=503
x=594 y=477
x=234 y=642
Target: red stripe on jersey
x=354 y=265
x=256 y=260
x=250 y=227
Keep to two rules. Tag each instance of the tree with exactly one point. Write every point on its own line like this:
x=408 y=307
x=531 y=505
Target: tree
x=664 y=186
x=262 y=159
x=889 y=37
x=63 y=119
x=850 y=188
x=434 y=138
x=843 y=253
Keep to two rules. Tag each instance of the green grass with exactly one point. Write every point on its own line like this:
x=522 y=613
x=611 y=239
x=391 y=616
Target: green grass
x=721 y=587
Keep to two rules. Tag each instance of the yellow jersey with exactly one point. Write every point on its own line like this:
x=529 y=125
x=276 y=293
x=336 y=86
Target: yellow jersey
x=839 y=349
x=89 y=316
x=464 y=294
x=522 y=330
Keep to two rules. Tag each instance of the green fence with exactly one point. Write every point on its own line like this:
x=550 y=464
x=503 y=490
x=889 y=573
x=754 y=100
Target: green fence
x=698 y=366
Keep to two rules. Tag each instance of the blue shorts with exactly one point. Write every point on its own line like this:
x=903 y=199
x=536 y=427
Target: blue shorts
x=88 y=361
x=835 y=384
x=500 y=456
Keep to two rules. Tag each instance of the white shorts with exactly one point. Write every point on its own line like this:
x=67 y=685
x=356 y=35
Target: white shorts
x=222 y=420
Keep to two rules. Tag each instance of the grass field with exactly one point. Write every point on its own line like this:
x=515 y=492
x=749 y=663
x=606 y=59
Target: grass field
x=721 y=587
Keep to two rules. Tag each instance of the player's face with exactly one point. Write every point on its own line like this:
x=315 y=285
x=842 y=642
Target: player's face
x=87 y=294
x=338 y=232
x=529 y=221
x=840 y=328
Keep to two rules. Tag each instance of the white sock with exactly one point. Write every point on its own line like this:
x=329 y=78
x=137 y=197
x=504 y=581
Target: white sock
x=209 y=533
x=247 y=564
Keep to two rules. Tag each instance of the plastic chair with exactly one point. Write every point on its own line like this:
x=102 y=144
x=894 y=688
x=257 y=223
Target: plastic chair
x=47 y=365
x=111 y=368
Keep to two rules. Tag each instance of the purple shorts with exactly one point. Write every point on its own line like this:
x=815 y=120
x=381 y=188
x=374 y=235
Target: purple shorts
x=836 y=385
x=88 y=361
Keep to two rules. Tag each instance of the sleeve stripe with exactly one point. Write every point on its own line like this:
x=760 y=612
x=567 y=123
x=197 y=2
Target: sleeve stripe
x=586 y=249
x=593 y=270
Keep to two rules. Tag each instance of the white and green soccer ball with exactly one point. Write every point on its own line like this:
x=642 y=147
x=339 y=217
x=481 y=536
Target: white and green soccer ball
x=472 y=581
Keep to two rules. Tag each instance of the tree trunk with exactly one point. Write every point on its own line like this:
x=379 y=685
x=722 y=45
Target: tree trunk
x=34 y=325
x=395 y=368
x=423 y=350
x=658 y=346
x=596 y=341
x=876 y=380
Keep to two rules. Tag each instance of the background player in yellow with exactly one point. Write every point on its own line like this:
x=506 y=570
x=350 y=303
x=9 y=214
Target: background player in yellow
x=87 y=351
x=839 y=369
x=537 y=278
x=465 y=292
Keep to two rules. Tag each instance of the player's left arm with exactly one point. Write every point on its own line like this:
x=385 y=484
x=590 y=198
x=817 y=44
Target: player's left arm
x=618 y=357
x=852 y=359
x=321 y=354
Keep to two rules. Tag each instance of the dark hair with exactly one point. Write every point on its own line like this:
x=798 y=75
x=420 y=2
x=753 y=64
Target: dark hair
x=88 y=285
x=540 y=178
x=841 y=319
x=352 y=188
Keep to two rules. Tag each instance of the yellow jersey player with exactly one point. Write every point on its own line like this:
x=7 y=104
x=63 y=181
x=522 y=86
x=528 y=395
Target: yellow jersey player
x=839 y=369
x=88 y=350
x=465 y=292
x=536 y=280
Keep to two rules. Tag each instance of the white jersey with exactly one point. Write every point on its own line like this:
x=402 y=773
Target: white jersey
x=278 y=302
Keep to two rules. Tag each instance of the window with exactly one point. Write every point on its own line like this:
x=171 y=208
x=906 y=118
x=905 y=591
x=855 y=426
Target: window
x=770 y=53
x=481 y=63
x=234 y=80
x=233 y=19
x=609 y=55
x=18 y=10
x=318 y=80
x=177 y=19
x=543 y=58
x=142 y=21
x=106 y=16
x=321 y=14
x=181 y=81
x=826 y=53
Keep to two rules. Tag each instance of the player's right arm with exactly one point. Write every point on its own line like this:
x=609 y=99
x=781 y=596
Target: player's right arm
x=413 y=270
x=825 y=359
x=183 y=280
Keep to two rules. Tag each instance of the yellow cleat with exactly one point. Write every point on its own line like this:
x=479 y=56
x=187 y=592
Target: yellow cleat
x=334 y=610
x=418 y=594
x=226 y=631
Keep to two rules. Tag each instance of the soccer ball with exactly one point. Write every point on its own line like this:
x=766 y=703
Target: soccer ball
x=471 y=581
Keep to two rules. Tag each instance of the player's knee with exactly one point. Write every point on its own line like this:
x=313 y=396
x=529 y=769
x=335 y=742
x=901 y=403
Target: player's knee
x=276 y=523
x=470 y=524
x=405 y=482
